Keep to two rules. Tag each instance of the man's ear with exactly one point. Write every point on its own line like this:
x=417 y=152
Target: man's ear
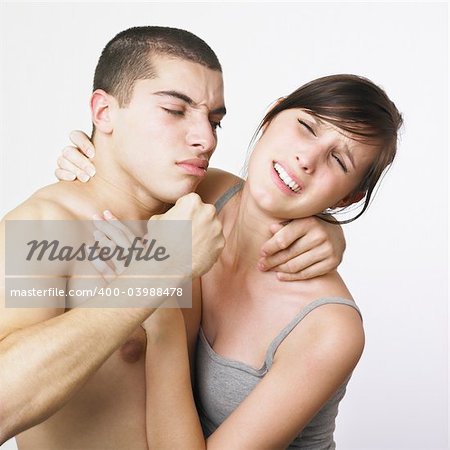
x=101 y=105
x=348 y=200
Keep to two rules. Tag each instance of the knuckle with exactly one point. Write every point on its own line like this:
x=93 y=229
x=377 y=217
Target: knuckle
x=310 y=221
x=319 y=253
x=334 y=261
x=289 y=266
x=286 y=277
x=74 y=135
x=301 y=275
x=60 y=161
x=316 y=240
x=328 y=248
x=321 y=234
x=85 y=164
x=280 y=241
x=210 y=209
x=194 y=197
x=67 y=151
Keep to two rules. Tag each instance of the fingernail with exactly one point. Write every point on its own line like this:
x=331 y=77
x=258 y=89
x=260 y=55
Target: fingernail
x=97 y=217
x=261 y=266
x=90 y=153
x=83 y=177
x=107 y=213
x=90 y=170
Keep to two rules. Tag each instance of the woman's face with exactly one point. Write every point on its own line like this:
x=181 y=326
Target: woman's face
x=302 y=165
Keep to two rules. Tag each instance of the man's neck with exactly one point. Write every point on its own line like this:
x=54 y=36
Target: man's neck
x=116 y=190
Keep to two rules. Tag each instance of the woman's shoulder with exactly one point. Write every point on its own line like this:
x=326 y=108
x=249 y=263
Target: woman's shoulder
x=216 y=182
x=332 y=322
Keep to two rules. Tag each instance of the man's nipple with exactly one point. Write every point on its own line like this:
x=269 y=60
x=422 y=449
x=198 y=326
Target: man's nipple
x=133 y=350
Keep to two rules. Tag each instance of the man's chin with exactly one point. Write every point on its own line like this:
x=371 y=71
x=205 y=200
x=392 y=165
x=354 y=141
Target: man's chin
x=183 y=189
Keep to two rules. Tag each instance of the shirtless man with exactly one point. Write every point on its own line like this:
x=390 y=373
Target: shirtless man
x=74 y=378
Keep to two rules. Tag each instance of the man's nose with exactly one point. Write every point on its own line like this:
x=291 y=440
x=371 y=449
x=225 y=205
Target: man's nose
x=201 y=136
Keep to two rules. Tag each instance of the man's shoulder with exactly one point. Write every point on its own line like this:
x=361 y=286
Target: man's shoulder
x=44 y=204
x=216 y=182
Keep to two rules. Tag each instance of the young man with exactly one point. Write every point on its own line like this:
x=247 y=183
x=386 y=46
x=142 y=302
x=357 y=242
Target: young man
x=73 y=378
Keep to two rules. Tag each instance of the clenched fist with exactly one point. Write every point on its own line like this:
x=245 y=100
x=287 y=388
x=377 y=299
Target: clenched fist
x=207 y=236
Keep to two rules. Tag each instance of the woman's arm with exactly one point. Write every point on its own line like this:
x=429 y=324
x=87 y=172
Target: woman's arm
x=172 y=420
x=303 y=249
x=310 y=365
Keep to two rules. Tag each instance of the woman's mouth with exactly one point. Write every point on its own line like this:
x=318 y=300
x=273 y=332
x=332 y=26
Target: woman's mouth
x=288 y=182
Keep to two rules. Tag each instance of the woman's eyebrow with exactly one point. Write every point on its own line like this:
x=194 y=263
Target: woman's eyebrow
x=347 y=151
x=185 y=98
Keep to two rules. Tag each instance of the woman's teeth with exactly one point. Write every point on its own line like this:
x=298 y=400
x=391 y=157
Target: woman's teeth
x=287 y=180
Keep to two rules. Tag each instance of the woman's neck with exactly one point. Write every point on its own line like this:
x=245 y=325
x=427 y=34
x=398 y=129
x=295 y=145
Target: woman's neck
x=249 y=230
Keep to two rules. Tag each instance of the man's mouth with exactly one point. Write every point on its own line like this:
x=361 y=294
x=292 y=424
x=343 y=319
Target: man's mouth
x=194 y=166
x=286 y=179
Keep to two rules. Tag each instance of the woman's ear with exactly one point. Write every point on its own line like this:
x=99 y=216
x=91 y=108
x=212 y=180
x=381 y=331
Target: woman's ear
x=348 y=200
x=101 y=104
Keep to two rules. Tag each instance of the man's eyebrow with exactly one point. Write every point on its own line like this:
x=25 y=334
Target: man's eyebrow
x=185 y=98
x=179 y=95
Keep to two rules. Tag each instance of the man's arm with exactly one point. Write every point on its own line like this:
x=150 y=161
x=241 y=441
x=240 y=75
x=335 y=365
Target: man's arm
x=45 y=355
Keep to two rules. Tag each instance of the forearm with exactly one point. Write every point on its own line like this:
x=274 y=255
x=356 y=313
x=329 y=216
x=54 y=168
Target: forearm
x=44 y=364
x=172 y=419
x=45 y=361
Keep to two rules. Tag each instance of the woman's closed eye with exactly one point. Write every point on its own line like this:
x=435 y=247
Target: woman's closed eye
x=308 y=127
x=340 y=162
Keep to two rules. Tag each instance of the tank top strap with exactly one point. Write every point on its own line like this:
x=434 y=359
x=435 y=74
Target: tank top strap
x=298 y=318
x=223 y=199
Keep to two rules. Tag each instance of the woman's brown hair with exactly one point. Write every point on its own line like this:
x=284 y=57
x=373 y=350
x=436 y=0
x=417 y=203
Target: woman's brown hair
x=356 y=105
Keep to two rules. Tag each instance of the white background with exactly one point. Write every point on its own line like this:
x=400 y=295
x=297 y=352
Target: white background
x=395 y=263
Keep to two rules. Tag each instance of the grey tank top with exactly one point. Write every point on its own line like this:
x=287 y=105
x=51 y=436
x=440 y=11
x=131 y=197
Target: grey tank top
x=222 y=383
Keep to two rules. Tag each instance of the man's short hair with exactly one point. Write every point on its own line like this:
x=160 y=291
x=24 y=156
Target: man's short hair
x=128 y=57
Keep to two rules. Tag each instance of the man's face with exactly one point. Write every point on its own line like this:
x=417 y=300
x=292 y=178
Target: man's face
x=166 y=135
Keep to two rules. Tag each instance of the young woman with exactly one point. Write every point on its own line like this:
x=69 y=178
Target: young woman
x=274 y=358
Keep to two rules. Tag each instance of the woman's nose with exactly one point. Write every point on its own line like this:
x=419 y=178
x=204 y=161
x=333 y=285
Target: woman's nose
x=308 y=158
